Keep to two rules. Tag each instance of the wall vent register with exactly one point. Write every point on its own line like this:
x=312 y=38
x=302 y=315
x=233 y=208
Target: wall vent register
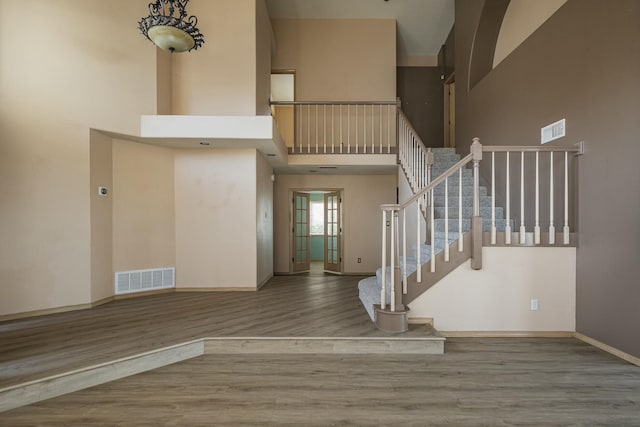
x=127 y=282
x=553 y=131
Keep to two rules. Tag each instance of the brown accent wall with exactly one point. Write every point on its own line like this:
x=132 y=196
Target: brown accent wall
x=421 y=93
x=583 y=64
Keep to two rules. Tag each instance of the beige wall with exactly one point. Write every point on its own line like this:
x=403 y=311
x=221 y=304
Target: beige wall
x=101 y=171
x=338 y=59
x=498 y=297
x=215 y=202
x=220 y=78
x=521 y=19
x=143 y=207
x=363 y=195
x=264 y=219
x=263 y=33
x=51 y=94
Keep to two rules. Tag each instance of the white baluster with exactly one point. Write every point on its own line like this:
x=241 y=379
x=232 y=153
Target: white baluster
x=389 y=109
x=522 y=227
x=299 y=117
x=393 y=260
x=364 y=127
x=418 y=244
x=333 y=141
x=356 y=128
x=383 y=294
x=507 y=227
x=404 y=251
x=433 y=238
x=566 y=198
x=380 y=126
x=348 y=129
x=460 y=238
x=373 y=139
x=552 y=228
x=446 y=219
x=493 y=197
x=308 y=129
x=316 y=123
x=341 y=140
x=324 y=128
x=413 y=160
x=536 y=229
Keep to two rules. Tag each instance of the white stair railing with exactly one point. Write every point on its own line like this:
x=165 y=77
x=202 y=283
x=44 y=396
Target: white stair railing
x=416 y=159
x=335 y=127
x=392 y=213
x=539 y=154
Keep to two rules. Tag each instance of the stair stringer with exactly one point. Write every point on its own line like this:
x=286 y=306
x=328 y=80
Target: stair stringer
x=456 y=259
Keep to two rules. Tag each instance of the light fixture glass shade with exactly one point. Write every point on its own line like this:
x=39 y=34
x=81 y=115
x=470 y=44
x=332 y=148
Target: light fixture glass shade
x=171 y=38
x=169 y=27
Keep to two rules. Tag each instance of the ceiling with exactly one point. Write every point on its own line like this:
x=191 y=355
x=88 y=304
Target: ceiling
x=423 y=25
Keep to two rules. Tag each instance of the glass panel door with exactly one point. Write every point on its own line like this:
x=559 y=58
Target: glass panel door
x=332 y=232
x=301 y=233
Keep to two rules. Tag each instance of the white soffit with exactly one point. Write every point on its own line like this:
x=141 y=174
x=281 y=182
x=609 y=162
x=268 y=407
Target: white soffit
x=218 y=127
x=423 y=25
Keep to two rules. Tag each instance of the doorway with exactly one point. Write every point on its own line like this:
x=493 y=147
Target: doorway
x=450 y=112
x=283 y=88
x=316 y=226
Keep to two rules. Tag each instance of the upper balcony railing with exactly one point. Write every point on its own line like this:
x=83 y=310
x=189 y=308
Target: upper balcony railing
x=334 y=127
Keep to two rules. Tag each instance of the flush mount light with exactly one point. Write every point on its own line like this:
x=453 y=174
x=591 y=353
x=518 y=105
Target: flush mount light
x=168 y=27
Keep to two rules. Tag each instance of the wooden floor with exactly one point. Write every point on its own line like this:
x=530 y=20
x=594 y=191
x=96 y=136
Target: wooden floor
x=479 y=382
x=299 y=306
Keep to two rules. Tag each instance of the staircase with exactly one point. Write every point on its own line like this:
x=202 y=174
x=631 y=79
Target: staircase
x=443 y=158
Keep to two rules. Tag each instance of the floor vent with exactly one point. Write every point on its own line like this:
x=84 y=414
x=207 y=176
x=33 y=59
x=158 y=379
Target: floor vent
x=145 y=280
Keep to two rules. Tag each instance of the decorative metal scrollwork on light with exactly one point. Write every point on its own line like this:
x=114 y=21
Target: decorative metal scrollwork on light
x=169 y=28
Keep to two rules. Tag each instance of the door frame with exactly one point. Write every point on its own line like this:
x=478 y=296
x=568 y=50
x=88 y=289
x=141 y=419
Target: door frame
x=449 y=105
x=295 y=97
x=292 y=217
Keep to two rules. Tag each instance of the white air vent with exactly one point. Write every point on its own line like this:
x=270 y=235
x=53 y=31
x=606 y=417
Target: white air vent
x=553 y=131
x=145 y=280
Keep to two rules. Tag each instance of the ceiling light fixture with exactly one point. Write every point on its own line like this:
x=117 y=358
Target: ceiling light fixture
x=168 y=27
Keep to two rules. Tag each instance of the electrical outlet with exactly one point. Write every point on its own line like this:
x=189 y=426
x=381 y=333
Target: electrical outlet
x=359 y=260
x=534 y=304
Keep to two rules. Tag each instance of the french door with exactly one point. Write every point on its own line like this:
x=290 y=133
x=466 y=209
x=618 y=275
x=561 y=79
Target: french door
x=332 y=232
x=300 y=233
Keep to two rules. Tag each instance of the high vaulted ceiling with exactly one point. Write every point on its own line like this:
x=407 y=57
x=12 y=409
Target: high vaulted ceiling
x=423 y=25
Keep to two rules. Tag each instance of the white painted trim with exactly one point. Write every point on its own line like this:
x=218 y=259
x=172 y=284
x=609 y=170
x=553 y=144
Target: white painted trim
x=214 y=127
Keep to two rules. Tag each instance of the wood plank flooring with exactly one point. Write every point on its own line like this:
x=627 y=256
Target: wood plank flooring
x=479 y=382
x=301 y=306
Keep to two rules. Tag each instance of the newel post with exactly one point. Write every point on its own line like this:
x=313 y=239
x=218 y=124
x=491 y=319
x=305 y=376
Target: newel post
x=476 y=220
